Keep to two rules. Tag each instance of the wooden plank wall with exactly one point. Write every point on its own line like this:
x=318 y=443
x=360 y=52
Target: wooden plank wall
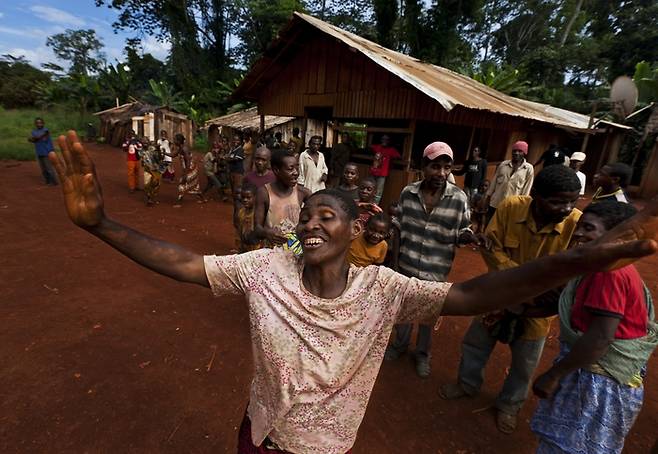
x=327 y=73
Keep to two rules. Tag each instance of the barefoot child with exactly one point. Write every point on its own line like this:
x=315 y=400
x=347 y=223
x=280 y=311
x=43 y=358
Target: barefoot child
x=479 y=208
x=366 y=202
x=132 y=146
x=152 y=164
x=349 y=181
x=245 y=219
x=370 y=247
x=594 y=391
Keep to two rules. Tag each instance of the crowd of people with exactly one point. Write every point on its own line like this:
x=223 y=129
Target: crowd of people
x=329 y=274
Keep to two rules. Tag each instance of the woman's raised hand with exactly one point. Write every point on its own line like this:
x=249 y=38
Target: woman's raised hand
x=83 y=197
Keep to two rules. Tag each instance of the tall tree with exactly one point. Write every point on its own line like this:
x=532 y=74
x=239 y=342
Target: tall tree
x=448 y=22
x=81 y=48
x=386 y=17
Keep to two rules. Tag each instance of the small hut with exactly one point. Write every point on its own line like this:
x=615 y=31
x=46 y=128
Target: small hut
x=248 y=121
x=146 y=120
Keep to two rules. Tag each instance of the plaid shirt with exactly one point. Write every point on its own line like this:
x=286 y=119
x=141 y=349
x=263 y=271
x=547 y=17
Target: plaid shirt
x=427 y=240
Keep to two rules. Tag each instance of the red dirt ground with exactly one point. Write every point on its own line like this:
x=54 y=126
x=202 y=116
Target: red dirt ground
x=101 y=356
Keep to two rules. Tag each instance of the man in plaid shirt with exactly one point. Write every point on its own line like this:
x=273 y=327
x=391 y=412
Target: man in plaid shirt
x=435 y=217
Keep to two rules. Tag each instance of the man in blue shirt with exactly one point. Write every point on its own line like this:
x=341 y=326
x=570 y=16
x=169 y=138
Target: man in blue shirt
x=43 y=145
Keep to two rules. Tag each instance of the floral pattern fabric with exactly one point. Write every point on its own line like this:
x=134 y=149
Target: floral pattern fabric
x=316 y=359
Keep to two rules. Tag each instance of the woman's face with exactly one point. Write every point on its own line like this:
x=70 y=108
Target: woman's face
x=325 y=230
x=589 y=228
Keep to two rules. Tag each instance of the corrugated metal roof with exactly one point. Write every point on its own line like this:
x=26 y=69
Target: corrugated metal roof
x=248 y=119
x=447 y=87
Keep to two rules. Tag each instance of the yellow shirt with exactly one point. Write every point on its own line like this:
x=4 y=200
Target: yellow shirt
x=516 y=240
x=362 y=253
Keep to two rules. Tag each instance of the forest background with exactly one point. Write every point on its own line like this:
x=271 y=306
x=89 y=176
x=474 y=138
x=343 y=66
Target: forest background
x=561 y=52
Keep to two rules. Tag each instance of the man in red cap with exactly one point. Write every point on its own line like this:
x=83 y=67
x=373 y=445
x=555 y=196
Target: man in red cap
x=434 y=218
x=513 y=177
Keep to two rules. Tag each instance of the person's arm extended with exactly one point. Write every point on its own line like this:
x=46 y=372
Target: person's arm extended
x=84 y=204
x=262 y=231
x=587 y=350
x=500 y=289
x=495 y=256
x=164 y=258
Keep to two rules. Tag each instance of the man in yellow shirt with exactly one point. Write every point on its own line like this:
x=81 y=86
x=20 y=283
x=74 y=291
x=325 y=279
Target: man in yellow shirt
x=522 y=229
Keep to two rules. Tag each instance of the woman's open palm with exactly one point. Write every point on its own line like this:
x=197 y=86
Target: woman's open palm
x=82 y=192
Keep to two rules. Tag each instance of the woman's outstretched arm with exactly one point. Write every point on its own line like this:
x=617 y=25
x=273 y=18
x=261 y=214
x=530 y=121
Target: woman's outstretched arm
x=629 y=241
x=83 y=199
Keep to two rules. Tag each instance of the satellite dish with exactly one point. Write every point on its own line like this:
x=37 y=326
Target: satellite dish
x=623 y=96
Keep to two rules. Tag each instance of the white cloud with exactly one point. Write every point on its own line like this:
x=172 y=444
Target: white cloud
x=24 y=32
x=37 y=56
x=113 y=53
x=57 y=16
x=158 y=49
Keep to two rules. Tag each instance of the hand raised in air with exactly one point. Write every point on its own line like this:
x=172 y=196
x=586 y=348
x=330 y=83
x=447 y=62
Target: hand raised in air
x=83 y=197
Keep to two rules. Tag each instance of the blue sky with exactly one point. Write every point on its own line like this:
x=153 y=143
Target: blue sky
x=25 y=25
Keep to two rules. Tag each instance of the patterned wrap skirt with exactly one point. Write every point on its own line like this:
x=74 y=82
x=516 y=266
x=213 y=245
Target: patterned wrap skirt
x=247 y=446
x=588 y=414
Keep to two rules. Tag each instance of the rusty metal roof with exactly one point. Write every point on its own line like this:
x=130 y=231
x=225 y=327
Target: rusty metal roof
x=248 y=119
x=448 y=88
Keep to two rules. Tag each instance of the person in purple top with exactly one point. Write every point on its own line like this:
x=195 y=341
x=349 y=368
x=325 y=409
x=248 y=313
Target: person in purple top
x=262 y=175
x=43 y=145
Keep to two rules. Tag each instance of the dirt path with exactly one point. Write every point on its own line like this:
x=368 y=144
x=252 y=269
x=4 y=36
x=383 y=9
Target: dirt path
x=98 y=355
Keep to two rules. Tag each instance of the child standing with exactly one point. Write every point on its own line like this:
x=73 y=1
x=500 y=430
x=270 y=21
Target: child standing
x=245 y=219
x=169 y=173
x=132 y=146
x=479 y=207
x=349 y=181
x=366 y=202
x=370 y=247
x=210 y=164
x=152 y=164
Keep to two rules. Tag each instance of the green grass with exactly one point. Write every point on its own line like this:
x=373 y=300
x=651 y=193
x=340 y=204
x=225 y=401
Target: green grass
x=17 y=124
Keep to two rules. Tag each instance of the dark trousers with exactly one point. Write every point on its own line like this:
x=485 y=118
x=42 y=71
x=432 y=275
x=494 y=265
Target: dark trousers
x=423 y=338
x=490 y=214
x=47 y=170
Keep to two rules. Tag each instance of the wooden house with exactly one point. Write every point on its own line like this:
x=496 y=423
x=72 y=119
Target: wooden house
x=316 y=71
x=248 y=121
x=146 y=120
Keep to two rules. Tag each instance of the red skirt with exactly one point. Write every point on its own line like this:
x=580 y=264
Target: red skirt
x=247 y=446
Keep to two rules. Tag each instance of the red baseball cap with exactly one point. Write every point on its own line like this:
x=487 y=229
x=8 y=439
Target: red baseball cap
x=436 y=149
x=521 y=146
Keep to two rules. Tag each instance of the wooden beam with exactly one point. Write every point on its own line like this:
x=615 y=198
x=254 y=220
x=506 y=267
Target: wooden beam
x=409 y=145
x=378 y=129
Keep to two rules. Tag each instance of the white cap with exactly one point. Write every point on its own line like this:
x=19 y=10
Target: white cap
x=578 y=156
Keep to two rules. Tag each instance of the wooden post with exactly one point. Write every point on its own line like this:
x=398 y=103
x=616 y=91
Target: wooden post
x=595 y=106
x=262 y=124
x=409 y=145
x=304 y=128
x=470 y=143
x=604 y=150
